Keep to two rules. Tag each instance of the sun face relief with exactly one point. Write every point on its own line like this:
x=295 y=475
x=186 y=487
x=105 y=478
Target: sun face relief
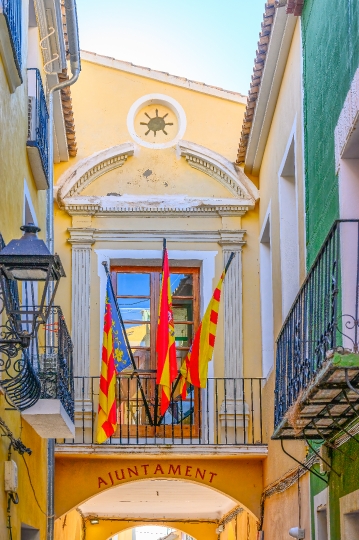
x=157 y=123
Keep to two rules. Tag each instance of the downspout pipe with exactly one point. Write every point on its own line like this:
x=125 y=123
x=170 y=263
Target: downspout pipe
x=75 y=65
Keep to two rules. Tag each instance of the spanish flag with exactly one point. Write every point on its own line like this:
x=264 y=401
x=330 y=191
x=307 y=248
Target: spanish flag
x=165 y=343
x=194 y=369
x=106 y=421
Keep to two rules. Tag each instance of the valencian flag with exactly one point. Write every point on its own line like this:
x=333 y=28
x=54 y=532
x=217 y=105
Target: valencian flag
x=115 y=358
x=165 y=344
x=194 y=369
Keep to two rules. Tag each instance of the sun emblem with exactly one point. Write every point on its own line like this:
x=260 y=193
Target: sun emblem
x=156 y=124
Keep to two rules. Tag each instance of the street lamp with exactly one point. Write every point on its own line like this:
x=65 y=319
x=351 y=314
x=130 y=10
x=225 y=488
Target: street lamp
x=27 y=260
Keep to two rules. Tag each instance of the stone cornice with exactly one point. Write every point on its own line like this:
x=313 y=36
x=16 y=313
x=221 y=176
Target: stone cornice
x=226 y=238
x=141 y=209
x=219 y=168
x=74 y=180
x=232 y=240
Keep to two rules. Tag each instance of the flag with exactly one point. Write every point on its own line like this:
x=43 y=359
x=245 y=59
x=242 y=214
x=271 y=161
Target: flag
x=115 y=357
x=165 y=343
x=194 y=369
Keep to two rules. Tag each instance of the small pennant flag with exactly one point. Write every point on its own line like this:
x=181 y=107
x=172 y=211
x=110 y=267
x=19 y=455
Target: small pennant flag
x=165 y=344
x=194 y=369
x=115 y=358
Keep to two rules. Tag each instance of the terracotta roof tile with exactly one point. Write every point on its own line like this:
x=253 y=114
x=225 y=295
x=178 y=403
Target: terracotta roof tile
x=293 y=6
x=66 y=97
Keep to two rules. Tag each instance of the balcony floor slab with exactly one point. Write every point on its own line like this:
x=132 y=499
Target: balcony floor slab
x=213 y=450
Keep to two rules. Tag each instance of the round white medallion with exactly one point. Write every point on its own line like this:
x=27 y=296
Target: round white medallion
x=156 y=121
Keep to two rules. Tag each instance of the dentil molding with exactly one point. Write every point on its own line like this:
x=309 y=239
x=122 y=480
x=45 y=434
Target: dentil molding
x=73 y=181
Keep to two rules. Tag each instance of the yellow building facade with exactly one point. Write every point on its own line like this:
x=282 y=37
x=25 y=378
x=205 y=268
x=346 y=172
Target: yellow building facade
x=156 y=161
x=272 y=154
x=27 y=70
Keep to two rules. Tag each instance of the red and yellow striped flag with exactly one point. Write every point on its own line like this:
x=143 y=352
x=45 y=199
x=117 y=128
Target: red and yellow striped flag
x=106 y=421
x=165 y=344
x=194 y=369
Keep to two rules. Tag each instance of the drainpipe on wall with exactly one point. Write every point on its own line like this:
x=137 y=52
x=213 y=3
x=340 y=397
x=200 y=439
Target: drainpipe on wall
x=74 y=50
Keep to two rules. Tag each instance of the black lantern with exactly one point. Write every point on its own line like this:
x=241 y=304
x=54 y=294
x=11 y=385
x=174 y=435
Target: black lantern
x=28 y=260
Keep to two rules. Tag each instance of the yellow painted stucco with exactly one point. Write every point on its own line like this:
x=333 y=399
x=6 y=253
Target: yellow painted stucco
x=281 y=511
x=102 y=99
x=14 y=171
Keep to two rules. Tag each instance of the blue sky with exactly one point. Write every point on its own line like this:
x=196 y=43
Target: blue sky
x=211 y=41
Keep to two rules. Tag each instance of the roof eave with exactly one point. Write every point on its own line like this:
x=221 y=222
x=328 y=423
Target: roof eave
x=277 y=55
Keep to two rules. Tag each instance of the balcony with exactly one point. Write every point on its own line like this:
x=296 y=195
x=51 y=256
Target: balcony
x=227 y=412
x=51 y=359
x=38 y=381
x=37 y=137
x=317 y=364
x=10 y=41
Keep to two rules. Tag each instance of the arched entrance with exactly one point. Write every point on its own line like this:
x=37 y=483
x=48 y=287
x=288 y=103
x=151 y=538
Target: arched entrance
x=79 y=478
x=193 y=509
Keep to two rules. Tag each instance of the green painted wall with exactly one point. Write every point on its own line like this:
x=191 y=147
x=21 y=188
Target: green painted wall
x=346 y=483
x=316 y=486
x=330 y=32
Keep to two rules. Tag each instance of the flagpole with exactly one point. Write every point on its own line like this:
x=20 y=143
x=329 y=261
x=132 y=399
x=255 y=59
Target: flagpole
x=128 y=346
x=164 y=245
x=231 y=257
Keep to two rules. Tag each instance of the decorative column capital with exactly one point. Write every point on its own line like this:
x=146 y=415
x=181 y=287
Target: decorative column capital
x=232 y=240
x=81 y=238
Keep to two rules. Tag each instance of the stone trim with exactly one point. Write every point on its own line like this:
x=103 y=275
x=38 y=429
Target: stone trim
x=143 y=210
x=230 y=240
x=347 y=121
x=219 y=168
x=74 y=180
x=260 y=451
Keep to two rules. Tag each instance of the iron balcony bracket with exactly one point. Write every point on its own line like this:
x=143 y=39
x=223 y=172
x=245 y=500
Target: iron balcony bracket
x=303 y=464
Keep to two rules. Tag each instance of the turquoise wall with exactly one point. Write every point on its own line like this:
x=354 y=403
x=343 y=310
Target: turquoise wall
x=330 y=30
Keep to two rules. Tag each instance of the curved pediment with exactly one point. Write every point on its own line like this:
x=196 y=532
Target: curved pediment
x=232 y=193
x=219 y=168
x=73 y=181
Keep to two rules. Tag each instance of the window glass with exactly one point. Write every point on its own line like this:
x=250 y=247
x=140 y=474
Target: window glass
x=181 y=284
x=138 y=334
x=134 y=309
x=133 y=284
x=183 y=335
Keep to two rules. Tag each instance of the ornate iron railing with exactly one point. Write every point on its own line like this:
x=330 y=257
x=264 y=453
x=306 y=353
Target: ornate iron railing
x=38 y=118
x=52 y=358
x=323 y=317
x=227 y=412
x=12 y=12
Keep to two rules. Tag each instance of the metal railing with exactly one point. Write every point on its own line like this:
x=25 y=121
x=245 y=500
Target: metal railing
x=324 y=316
x=227 y=412
x=12 y=12
x=38 y=118
x=52 y=358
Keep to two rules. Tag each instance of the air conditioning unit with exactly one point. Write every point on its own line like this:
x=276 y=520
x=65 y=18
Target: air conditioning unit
x=31 y=118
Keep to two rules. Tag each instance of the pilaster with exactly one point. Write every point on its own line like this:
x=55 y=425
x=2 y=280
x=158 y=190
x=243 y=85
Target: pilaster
x=81 y=241
x=232 y=300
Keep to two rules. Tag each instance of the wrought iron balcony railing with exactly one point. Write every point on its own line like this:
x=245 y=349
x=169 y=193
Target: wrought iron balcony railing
x=53 y=361
x=317 y=365
x=44 y=370
x=12 y=12
x=37 y=138
x=227 y=412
